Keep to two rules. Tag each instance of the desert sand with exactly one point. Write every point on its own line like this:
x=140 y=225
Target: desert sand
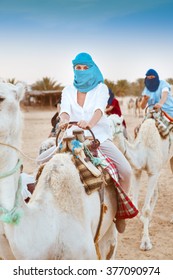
x=36 y=129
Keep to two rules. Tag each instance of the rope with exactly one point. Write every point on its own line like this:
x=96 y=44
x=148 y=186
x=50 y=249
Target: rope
x=95 y=160
x=26 y=156
x=40 y=160
x=11 y=172
x=16 y=149
x=12 y=216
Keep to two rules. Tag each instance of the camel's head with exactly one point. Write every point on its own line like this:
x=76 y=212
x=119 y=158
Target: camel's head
x=10 y=97
x=116 y=124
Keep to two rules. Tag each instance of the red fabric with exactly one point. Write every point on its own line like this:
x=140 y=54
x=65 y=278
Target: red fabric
x=126 y=208
x=116 y=109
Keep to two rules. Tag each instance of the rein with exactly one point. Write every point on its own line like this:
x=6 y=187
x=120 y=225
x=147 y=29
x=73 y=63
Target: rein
x=18 y=150
x=12 y=216
x=11 y=172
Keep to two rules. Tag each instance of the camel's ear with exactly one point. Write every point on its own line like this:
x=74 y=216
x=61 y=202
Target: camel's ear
x=20 y=90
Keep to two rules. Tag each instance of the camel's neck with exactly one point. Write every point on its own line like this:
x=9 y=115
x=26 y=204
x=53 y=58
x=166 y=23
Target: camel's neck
x=127 y=148
x=119 y=140
x=10 y=134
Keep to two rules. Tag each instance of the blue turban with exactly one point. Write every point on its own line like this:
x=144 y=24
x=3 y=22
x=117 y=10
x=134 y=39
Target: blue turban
x=111 y=97
x=88 y=79
x=152 y=84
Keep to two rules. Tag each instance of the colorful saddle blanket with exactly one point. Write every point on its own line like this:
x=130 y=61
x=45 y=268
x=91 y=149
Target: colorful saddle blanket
x=163 y=121
x=126 y=208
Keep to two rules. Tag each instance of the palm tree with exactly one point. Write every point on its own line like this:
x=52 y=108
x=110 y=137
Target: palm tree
x=47 y=92
x=170 y=81
x=111 y=85
x=122 y=88
x=46 y=84
x=12 y=81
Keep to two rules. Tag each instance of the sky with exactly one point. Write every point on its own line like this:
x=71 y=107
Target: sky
x=40 y=38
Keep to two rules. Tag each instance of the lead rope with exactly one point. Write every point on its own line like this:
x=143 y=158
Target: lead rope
x=96 y=238
x=18 y=150
x=12 y=216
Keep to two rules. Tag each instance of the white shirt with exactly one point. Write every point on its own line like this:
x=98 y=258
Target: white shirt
x=96 y=98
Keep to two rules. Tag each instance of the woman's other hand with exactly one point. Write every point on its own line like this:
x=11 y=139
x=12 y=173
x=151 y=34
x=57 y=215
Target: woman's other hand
x=83 y=124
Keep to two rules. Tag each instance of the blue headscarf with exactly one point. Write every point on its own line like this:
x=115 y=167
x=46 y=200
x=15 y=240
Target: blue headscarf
x=88 y=79
x=152 y=84
x=111 y=97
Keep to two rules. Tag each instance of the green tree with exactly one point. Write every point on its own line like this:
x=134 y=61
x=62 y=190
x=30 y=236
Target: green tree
x=137 y=87
x=122 y=88
x=12 y=81
x=111 y=85
x=46 y=84
x=170 y=81
x=49 y=91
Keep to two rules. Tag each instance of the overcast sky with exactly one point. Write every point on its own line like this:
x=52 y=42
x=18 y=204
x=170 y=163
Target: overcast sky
x=40 y=38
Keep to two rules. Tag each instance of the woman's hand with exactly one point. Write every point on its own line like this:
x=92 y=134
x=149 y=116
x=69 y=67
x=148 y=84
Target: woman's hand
x=63 y=124
x=157 y=106
x=144 y=101
x=83 y=124
x=64 y=121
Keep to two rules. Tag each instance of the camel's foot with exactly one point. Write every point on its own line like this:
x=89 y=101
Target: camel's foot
x=146 y=244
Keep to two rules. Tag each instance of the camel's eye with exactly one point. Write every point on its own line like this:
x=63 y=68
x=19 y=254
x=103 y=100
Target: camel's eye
x=118 y=123
x=2 y=99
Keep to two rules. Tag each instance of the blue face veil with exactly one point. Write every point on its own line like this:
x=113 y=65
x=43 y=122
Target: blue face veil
x=152 y=84
x=86 y=80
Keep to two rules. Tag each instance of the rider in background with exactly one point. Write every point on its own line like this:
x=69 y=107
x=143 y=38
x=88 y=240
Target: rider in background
x=55 y=119
x=157 y=93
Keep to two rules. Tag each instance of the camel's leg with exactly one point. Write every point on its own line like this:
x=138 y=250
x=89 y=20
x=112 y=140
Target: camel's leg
x=154 y=200
x=5 y=251
x=108 y=244
x=171 y=163
x=150 y=201
x=136 y=186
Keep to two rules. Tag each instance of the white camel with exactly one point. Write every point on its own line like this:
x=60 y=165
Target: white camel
x=10 y=134
x=149 y=152
x=61 y=220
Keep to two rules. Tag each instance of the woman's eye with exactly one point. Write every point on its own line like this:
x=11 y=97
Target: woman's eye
x=81 y=67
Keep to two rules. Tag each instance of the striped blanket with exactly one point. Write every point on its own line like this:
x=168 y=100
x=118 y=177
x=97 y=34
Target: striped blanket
x=126 y=208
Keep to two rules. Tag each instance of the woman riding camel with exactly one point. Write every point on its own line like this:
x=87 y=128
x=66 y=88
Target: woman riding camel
x=85 y=102
x=157 y=93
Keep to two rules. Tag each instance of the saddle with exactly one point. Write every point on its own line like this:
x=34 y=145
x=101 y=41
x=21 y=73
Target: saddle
x=95 y=170
x=163 y=122
x=87 y=160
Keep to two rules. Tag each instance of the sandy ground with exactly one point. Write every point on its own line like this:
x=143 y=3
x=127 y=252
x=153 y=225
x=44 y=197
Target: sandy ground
x=36 y=129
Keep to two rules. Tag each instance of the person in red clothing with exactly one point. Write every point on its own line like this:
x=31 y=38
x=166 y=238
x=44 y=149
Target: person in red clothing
x=113 y=107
